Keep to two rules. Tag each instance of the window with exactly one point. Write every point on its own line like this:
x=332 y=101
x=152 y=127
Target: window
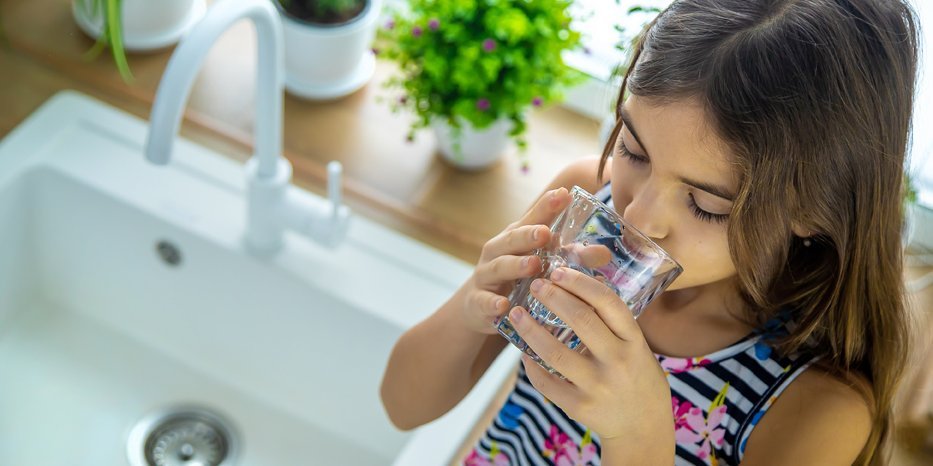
x=598 y=21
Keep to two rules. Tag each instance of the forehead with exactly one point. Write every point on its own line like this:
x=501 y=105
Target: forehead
x=681 y=135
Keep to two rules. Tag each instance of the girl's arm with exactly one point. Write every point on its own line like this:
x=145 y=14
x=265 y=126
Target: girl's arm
x=437 y=362
x=819 y=419
x=434 y=365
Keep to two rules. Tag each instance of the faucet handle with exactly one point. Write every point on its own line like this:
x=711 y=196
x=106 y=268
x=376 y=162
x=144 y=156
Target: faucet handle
x=334 y=186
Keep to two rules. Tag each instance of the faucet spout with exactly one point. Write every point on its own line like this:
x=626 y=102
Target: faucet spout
x=173 y=91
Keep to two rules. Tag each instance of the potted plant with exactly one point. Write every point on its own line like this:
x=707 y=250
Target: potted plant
x=135 y=25
x=470 y=70
x=328 y=50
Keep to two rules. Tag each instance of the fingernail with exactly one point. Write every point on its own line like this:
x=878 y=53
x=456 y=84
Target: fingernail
x=515 y=315
x=557 y=274
x=536 y=285
x=525 y=261
x=535 y=234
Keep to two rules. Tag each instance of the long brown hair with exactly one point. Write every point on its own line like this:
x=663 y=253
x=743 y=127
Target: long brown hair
x=814 y=97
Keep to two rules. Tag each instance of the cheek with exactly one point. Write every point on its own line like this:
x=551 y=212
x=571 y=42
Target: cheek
x=701 y=248
x=703 y=252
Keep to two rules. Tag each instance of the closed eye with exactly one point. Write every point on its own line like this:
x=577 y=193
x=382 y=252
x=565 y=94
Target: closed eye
x=704 y=215
x=634 y=158
x=691 y=203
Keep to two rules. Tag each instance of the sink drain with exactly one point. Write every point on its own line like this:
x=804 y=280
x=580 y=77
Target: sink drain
x=181 y=437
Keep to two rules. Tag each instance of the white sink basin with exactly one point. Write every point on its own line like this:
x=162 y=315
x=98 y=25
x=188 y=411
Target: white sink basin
x=97 y=330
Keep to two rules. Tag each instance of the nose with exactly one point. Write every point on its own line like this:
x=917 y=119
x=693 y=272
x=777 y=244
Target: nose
x=646 y=213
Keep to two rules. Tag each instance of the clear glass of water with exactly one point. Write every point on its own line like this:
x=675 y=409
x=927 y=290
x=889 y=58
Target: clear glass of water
x=590 y=237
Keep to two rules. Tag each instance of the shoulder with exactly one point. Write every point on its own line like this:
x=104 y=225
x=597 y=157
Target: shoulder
x=820 y=418
x=582 y=173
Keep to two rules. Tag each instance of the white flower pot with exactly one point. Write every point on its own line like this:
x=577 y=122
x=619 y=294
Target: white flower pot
x=147 y=24
x=478 y=149
x=329 y=61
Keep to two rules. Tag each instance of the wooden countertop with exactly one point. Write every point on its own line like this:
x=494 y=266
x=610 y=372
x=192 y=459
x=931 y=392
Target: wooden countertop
x=402 y=185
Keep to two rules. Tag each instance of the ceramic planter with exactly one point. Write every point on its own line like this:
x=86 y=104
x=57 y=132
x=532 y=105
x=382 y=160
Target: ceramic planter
x=328 y=61
x=147 y=24
x=478 y=148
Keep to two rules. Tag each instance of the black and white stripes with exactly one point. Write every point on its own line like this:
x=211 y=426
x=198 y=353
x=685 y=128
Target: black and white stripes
x=749 y=374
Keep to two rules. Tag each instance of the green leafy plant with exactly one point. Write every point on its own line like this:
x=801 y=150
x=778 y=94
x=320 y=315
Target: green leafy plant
x=477 y=61
x=111 y=34
x=324 y=11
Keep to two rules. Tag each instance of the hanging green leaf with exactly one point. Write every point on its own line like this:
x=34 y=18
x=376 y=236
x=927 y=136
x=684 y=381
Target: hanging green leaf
x=110 y=13
x=115 y=33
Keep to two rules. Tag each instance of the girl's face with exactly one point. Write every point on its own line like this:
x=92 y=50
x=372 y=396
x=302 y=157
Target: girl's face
x=672 y=179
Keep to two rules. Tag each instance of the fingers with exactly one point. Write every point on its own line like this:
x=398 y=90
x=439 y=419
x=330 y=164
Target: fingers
x=561 y=392
x=569 y=363
x=578 y=315
x=546 y=209
x=505 y=269
x=593 y=256
x=490 y=306
x=516 y=241
x=611 y=309
x=532 y=231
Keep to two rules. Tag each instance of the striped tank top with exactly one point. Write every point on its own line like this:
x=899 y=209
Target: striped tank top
x=716 y=401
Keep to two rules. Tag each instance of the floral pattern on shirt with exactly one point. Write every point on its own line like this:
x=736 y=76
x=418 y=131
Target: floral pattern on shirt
x=563 y=451
x=680 y=365
x=495 y=458
x=705 y=433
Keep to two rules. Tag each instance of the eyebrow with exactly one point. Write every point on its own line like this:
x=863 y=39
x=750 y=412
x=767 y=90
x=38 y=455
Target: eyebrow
x=715 y=190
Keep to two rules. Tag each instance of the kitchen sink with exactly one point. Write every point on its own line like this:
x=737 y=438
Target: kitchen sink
x=126 y=291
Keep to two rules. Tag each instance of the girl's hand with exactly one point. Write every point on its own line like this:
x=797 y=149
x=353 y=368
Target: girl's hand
x=617 y=388
x=505 y=259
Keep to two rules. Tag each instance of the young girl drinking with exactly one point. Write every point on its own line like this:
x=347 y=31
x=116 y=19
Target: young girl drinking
x=762 y=144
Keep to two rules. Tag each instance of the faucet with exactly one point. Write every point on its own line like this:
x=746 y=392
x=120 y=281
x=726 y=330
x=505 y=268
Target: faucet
x=273 y=204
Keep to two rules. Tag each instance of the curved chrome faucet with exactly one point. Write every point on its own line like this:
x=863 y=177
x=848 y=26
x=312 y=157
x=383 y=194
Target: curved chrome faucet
x=273 y=204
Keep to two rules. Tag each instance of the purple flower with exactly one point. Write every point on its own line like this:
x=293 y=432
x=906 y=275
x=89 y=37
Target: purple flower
x=537 y=101
x=489 y=45
x=587 y=51
x=390 y=24
x=434 y=24
x=416 y=31
x=525 y=168
x=482 y=104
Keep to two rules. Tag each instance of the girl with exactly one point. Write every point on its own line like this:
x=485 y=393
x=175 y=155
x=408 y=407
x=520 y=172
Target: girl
x=761 y=143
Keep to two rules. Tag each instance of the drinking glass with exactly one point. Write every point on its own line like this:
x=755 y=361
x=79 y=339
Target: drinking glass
x=590 y=237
